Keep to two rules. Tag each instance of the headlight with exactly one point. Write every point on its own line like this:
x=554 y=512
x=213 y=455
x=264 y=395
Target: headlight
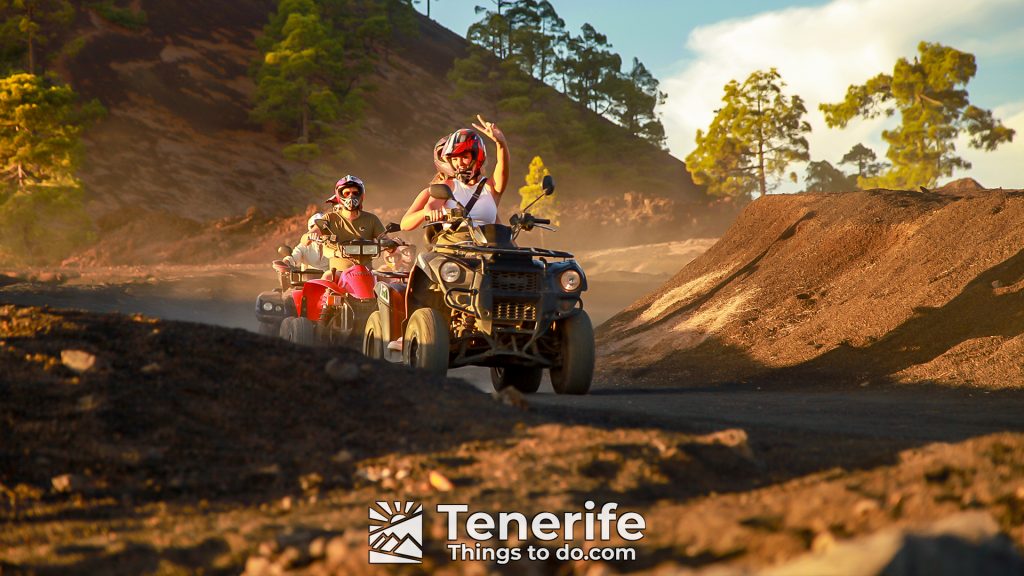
x=450 y=272
x=268 y=306
x=570 y=280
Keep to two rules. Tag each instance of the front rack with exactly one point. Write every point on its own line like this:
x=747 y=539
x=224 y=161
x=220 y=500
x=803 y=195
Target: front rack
x=470 y=247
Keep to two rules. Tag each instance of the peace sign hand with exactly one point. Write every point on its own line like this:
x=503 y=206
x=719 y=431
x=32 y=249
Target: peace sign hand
x=490 y=129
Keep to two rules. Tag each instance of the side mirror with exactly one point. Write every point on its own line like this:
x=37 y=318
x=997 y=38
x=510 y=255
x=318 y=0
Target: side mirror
x=392 y=227
x=284 y=250
x=440 y=191
x=548 y=185
x=322 y=225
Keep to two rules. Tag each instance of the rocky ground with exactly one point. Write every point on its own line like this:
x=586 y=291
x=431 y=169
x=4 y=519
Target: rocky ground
x=135 y=445
x=809 y=396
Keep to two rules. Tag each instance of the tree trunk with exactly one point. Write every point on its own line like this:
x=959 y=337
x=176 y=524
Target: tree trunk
x=31 y=55
x=305 y=124
x=762 y=181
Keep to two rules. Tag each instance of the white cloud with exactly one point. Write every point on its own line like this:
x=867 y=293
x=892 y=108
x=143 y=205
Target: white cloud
x=819 y=52
x=1002 y=167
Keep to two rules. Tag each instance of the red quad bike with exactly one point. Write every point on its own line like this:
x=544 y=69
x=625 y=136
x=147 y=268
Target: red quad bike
x=333 y=312
x=482 y=300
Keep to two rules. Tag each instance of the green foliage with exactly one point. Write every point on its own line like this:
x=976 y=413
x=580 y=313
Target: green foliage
x=755 y=136
x=114 y=14
x=547 y=207
x=592 y=71
x=634 y=98
x=42 y=213
x=866 y=162
x=822 y=176
x=524 y=40
x=27 y=25
x=40 y=124
x=43 y=224
x=930 y=95
x=315 y=58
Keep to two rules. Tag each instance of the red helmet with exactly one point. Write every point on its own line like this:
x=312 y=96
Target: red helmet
x=466 y=140
x=349 y=202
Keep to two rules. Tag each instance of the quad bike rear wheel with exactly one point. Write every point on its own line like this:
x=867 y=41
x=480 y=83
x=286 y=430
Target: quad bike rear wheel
x=426 y=341
x=576 y=339
x=299 y=330
x=522 y=378
x=373 y=342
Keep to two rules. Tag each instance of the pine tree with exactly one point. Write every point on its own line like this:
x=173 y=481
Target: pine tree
x=592 y=70
x=930 y=95
x=27 y=25
x=635 y=100
x=754 y=137
x=866 y=162
x=40 y=125
x=822 y=176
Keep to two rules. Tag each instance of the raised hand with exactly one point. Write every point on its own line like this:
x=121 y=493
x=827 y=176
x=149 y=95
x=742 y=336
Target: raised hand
x=490 y=129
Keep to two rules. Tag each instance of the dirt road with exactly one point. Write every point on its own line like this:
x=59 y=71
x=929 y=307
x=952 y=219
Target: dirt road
x=918 y=414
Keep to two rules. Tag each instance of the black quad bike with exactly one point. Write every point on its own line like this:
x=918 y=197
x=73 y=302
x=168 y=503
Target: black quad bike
x=274 y=306
x=479 y=299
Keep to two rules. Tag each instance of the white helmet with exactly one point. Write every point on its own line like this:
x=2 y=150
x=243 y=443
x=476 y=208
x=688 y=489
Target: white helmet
x=311 y=223
x=312 y=229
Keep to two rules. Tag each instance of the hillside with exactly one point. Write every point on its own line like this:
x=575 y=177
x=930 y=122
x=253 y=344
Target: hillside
x=178 y=140
x=862 y=287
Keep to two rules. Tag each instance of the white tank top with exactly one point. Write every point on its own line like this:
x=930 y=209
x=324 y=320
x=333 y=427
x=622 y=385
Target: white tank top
x=485 y=211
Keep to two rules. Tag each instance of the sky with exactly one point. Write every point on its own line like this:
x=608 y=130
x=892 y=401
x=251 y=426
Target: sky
x=819 y=47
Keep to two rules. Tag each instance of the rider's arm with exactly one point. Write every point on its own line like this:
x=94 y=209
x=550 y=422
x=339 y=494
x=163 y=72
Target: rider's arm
x=296 y=257
x=420 y=209
x=501 y=168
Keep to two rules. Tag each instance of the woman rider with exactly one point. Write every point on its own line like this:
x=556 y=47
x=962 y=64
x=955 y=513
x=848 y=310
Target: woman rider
x=460 y=161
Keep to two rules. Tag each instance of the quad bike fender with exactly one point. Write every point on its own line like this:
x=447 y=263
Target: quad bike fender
x=418 y=293
x=391 y=303
x=358 y=281
x=309 y=300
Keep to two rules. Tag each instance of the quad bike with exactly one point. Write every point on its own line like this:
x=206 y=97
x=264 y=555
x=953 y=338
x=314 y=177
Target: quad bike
x=333 y=311
x=479 y=299
x=273 y=306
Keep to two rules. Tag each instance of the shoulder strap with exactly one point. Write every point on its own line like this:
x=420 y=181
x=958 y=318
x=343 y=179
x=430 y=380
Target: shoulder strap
x=476 y=196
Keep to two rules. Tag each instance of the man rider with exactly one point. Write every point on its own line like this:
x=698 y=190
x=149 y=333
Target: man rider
x=460 y=163
x=349 y=221
x=307 y=254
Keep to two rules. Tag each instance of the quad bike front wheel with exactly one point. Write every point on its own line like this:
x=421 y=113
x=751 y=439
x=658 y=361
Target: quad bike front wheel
x=373 y=342
x=271 y=329
x=522 y=378
x=426 y=341
x=299 y=330
x=576 y=340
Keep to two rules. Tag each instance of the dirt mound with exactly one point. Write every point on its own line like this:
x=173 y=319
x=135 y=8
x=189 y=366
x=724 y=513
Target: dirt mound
x=864 y=286
x=140 y=409
x=962 y=186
